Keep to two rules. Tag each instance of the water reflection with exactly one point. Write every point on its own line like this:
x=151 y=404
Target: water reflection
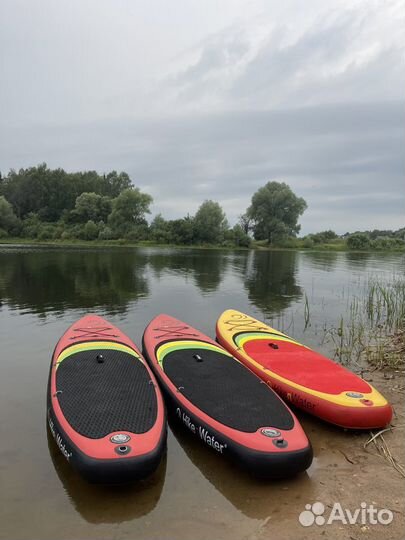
x=270 y=280
x=253 y=497
x=321 y=260
x=107 y=504
x=56 y=280
x=44 y=280
x=205 y=267
x=359 y=260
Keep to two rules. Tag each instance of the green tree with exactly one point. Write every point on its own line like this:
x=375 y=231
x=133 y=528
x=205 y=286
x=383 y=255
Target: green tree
x=91 y=207
x=160 y=230
x=240 y=237
x=116 y=183
x=323 y=237
x=51 y=192
x=400 y=233
x=25 y=190
x=182 y=230
x=8 y=220
x=210 y=223
x=245 y=222
x=129 y=210
x=274 y=212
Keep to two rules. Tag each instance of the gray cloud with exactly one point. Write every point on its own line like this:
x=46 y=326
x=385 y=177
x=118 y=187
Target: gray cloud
x=320 y=108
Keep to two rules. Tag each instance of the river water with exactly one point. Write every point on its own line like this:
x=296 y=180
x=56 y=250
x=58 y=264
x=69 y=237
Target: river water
x=194 y=494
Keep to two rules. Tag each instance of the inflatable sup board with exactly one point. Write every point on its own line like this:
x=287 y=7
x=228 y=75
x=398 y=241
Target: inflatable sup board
x=222 y=403
x=105 y=410
x=302 y=376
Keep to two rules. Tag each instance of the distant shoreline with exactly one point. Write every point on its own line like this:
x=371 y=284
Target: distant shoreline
x=340 y=247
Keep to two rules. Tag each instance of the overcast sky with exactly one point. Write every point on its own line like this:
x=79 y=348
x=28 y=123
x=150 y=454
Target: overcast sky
x=211 y=99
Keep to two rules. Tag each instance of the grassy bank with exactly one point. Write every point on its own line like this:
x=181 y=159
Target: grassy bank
x=109 y=243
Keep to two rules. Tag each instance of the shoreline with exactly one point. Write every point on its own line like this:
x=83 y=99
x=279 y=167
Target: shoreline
x=28 y=242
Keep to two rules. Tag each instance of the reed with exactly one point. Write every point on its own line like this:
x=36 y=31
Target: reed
x=374 y=328
x=385 y=304
x=307 y=314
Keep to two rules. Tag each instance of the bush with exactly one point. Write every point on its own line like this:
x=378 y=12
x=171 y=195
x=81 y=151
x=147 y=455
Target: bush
x=66 y=235
x=358 y=241
x=8 y=220
x=307 y=243
x=182 y=230
x=90 y=231
x=75 y=232
x=45 y=232
x=239 y=237
x=289 y=243
x=385 y=242
x=162 y=237
x=159 y=230
x=58 y=231
x=3 y=233
x=137 y=233
x=31 y=226
x=323 y=237
x=106 y=234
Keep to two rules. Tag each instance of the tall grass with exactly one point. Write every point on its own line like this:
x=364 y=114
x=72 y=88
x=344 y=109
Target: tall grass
x=385 y=304
x=374 y=328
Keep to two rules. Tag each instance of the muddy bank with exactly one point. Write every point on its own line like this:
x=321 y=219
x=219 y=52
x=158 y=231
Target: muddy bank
x=345 y=472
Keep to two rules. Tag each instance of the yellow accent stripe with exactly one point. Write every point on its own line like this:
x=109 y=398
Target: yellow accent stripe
x=93 y=346
x=187 y=344
x=244 y=339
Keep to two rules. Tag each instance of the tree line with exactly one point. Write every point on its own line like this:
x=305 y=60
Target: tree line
x=52 y=204
x=44 y=204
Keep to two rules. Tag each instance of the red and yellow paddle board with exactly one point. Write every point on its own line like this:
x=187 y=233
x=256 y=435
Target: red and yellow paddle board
x=302 y=376
x=105 y=410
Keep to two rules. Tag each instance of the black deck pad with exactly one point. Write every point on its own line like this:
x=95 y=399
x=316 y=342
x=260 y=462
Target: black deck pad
x=226 y=390
x=99 y=398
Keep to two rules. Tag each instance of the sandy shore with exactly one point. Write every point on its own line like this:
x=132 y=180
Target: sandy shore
x=347 y=473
